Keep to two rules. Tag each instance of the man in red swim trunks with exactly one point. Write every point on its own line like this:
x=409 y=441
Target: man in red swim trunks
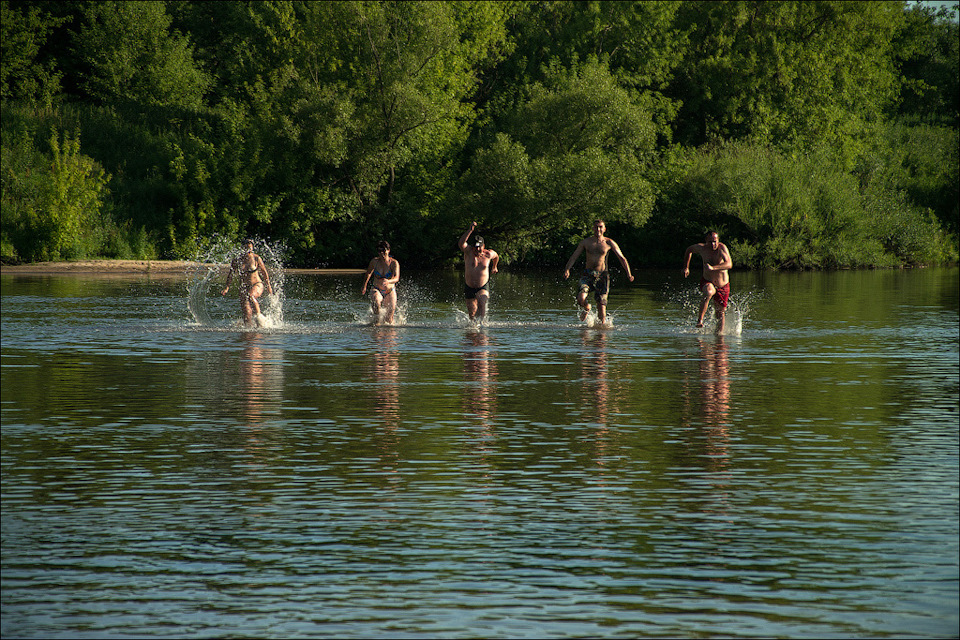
x=715 y=281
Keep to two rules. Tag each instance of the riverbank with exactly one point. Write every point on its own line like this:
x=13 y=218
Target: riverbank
x=134 y=267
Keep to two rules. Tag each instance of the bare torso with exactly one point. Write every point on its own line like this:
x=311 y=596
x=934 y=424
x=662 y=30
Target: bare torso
x=713 y=257
x=247 y=267
x=476 y=267
x=383 y=272
x=596 y=250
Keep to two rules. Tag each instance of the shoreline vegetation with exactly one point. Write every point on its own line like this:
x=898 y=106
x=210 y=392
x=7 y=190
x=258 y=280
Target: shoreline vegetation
x=113 y=267
x=135 y=267
x=808 y=135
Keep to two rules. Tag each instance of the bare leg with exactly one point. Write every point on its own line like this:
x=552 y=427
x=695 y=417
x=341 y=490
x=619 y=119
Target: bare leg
x=708 y=291
x=251 y=296
x=482 y=298
x=247 y=309
x=584 y=305
x=390 y=303
x=602 y=313
x=472 y=307
x=375 y=299
x=721 y=319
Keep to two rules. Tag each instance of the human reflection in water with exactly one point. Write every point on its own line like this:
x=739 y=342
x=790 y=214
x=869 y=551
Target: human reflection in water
x=715 y=381
x=715 y=404
x=596 y=374
x=480 y=372
x=710 y=397
x=261 y=388
x=385 y=373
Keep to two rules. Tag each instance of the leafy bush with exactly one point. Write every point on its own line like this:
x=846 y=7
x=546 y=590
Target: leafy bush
x=793 y=211
x=50 y=204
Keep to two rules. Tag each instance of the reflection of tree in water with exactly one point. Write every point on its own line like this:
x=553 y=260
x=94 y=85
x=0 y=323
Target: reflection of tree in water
x=384 y=372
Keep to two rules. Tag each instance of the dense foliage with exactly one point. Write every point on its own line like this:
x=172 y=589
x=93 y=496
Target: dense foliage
x=816 y=134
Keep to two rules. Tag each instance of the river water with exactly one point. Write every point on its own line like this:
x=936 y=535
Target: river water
x=168 y=474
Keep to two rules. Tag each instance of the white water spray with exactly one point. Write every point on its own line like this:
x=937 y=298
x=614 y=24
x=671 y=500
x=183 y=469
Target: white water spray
x=207 y=275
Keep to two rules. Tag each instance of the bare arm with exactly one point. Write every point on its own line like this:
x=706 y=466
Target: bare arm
x=493 y=262
x=572 y=260
x=266 y=276
x=396 y=273
x=226 y=286
x=726 y=262
x=694 y=248
x=366 y=281
x=466 y=236
x=623 y=259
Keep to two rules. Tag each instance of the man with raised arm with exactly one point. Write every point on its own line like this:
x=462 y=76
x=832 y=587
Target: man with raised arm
x=479 y=263
x=715 y=280
x=595 y=277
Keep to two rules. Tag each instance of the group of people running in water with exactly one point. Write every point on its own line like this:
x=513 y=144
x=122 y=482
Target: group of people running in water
x=480 y=263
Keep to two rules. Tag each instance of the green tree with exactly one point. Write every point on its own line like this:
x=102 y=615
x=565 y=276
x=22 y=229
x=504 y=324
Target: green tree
x=331 y=101
x=24 y=31
x=638 y=40
x=133 y=55
x=793 y=74
x=923 y=162
x=927 y=52
x=50 y=204
x=791 y=211
x=577 y=150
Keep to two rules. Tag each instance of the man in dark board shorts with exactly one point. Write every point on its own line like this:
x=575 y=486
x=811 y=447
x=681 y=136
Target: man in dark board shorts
x=715 y=281
x=596 y=278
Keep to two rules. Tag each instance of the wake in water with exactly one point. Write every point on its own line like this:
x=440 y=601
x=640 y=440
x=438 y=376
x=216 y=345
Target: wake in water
x=592 y=321
x=380 y=319
x=208 y=273
x=738 y=310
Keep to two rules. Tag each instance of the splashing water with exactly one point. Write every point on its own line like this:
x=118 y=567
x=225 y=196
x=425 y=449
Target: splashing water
x=591 y=319
x=738 y=309
x=209 y=271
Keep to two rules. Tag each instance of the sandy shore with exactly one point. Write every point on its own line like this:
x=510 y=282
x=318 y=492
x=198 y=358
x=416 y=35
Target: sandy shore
x=135 y=267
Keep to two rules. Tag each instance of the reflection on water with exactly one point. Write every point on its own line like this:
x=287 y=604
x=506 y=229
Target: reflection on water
x=384 y=376
x=480 y=397
x=480 y=369
x=260 y=389
x=715 y=398
x=535 y=479
x=596 y=377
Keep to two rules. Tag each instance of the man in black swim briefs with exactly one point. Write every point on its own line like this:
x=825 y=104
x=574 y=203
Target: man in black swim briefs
x=479 y=263
x=596 y=278
x=470 y=293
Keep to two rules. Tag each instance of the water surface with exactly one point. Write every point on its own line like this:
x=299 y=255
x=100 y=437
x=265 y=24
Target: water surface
x=164 y=476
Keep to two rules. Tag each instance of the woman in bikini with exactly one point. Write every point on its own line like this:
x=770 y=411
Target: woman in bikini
x=251 y=274
x=385 y=272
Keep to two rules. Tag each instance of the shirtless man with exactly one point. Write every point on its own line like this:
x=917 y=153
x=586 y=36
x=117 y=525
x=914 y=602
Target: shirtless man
x=251 y=274
x=715 y=281
x=596 y=278
x=479 y=263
